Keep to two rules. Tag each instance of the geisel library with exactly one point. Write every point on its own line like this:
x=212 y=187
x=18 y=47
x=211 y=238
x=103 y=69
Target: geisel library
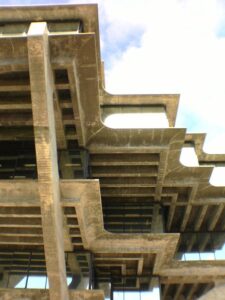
x=87 y=211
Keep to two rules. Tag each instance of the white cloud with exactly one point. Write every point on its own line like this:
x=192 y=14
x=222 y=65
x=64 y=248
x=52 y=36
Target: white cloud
x=178 y=52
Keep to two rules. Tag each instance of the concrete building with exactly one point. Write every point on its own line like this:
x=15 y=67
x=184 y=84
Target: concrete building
x=106 y=209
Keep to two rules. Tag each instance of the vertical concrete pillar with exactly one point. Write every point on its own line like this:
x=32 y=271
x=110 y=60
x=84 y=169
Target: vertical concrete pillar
x=157 y=220
x=41 y=81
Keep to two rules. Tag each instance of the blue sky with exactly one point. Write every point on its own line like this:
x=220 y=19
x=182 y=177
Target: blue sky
x=167 y=46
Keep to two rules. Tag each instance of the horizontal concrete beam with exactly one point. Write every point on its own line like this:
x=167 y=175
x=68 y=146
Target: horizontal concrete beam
x=18 y=294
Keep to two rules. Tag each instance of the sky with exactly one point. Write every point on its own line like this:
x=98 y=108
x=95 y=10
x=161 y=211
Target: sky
x=166 y=46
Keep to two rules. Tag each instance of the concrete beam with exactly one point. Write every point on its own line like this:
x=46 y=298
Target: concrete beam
x=171 y=212
x=200 y=219
x=64 y=159
x=165 y=290
x=60 y=131
x=215 y=217
x=29 y=294
x=41 y=81
x=192 y=291
x=76 y=103
x=177 y=296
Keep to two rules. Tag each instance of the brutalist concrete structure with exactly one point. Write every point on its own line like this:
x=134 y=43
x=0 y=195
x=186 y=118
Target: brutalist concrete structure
x=113 y=209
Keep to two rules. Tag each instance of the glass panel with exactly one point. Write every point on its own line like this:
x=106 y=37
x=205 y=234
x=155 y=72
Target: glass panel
x=192 y=256
x=21 y=283
x=118 y=296
x=153 y=292
x=207 y=256
x=37 y=282
x=133 y=295
x=28 y=270
x=201 y=246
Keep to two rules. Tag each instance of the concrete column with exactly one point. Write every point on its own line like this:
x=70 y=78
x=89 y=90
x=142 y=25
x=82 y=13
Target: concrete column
x=41 y=81
x=3 y=278
x=157 y=220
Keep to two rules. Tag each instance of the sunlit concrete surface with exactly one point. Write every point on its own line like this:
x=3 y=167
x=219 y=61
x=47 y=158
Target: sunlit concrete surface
x=111 y=208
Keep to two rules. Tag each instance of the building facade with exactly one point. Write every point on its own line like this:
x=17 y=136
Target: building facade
x=87 y=211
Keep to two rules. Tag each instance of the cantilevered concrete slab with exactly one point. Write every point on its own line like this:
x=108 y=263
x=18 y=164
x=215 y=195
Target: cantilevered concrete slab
x=52 y=96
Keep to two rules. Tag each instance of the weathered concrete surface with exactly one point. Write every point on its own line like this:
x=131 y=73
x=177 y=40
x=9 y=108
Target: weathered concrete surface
x=22 y=294
x=4 y=279
x=179 y=188
x=87 y=13
x=217 y=293
x=41 y=81
x=19 y=294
